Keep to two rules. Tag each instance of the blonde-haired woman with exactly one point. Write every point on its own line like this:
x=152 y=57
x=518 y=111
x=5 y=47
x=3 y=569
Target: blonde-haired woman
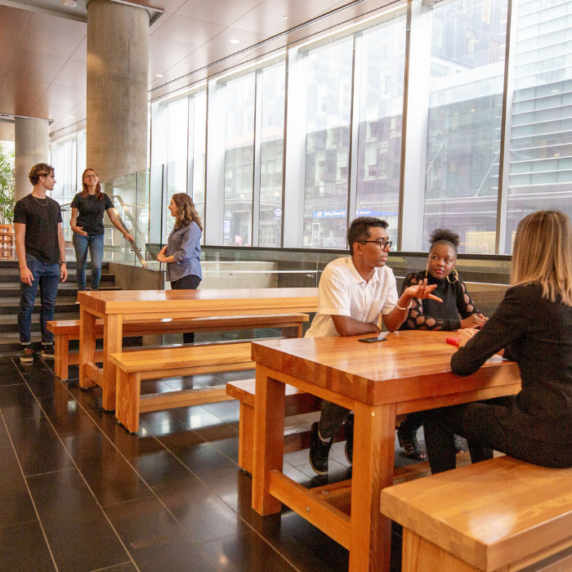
x=533 y=325
x=182 y=254
x=88 y=208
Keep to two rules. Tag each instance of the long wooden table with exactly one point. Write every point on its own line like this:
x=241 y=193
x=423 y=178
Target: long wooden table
x=119 y=307
x=409 y=372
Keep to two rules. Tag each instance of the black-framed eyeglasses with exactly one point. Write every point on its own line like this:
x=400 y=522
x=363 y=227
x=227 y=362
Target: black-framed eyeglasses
x=383 y=244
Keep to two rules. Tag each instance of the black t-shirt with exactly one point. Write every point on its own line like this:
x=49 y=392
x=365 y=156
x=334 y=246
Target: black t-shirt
x=41 y=217
x=91 y=211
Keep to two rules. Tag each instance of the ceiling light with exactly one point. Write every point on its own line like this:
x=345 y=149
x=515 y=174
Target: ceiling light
x=71 y=116
x=186 y=63
x=69 y=3
x=158 y=75
x=234 y=41
x=285 y=17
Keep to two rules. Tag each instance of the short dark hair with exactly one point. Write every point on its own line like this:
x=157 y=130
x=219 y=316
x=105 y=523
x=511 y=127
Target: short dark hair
x=359 y=229
x=39 y=170
x=444 y=236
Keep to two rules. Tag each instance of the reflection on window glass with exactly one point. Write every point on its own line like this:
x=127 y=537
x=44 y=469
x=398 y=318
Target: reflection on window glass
x=239 y=161
x=328 y=145
x=272 y=82
x=380 y=114
x=176 y=149
x=464 y=122
x=197 y=151
x=541 y=136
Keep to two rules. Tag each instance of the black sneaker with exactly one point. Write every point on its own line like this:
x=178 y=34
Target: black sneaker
x=27 y=355
x=409 y=443
x=48 y=352
x=319 y=451
x=350 y=438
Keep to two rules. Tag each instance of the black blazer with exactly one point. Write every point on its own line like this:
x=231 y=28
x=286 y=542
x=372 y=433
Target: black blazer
x=537 y=334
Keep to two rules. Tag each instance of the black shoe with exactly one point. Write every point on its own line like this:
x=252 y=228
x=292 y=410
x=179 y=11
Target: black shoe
x=408 y=442
x=350 y=439
x=48 y=352
x=27 y=355
x=459 y=447
x=319 y=451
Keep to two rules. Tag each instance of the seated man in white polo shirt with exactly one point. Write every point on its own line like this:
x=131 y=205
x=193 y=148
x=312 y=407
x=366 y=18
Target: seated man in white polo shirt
x=353 y=293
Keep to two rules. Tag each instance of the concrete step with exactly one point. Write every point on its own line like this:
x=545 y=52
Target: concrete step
x=11 y=275
x=65 y=289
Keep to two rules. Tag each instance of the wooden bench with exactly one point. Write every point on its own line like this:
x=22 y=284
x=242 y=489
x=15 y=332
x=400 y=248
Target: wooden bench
x=66 y=330
x=136 y=366
x=498 y=515
x=296 y=437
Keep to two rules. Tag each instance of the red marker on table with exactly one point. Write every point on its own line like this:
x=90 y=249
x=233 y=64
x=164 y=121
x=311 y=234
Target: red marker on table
x=454 y=341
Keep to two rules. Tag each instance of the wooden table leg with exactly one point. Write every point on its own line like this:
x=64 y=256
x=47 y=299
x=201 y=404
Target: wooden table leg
x=268 y=439
x=374 y=447
x=86 y=345
x=112 y=343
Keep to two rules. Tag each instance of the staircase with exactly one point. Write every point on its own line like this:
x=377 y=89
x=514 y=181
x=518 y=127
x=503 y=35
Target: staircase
x=66 y=308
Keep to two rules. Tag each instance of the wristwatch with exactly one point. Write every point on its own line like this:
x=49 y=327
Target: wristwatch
x=64 y=262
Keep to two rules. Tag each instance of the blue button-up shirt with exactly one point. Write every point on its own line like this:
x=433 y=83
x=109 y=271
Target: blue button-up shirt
x=185 y=245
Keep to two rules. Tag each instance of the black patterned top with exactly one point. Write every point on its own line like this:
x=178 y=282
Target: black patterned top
x=431 y=315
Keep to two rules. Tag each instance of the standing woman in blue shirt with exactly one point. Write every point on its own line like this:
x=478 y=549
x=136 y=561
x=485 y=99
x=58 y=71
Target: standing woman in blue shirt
x=88 y=209
x=183 y=251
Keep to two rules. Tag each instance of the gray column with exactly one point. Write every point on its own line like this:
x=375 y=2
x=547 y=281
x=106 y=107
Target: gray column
x=117 y=84
x=31 y=148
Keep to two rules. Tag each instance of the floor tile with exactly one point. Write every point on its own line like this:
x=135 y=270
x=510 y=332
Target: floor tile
x=161 y=468
x=217 y=432
x=228 y=447
x=80 y=536
x=23 y=549
x=9 y=374
x=202 y=513
x=246 y=553
x=18 y=402
x=111 y=478
x=126 y=567
x=154 y=538
x=38 y=447
x=195 y=417
x=15 y=502
x=222 y=408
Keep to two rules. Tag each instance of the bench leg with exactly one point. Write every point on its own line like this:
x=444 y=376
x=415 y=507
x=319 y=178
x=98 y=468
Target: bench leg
x=60 y=350
x=128 y=402
x=86 y=346
x=420 y=555
x=112 y=343
x=246 y=437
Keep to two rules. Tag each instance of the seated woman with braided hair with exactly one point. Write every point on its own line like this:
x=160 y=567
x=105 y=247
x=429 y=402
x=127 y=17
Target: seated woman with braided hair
x=430 y=315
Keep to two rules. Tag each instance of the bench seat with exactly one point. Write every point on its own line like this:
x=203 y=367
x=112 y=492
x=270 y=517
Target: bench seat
x=135 y=366
x=498 y=515
x=66 y=330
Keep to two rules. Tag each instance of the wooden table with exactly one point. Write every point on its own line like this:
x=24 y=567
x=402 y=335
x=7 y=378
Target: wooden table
x=409 y=372
x=119 y=307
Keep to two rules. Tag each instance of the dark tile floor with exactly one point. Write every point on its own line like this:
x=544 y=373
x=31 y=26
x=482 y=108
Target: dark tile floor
x=79 y=494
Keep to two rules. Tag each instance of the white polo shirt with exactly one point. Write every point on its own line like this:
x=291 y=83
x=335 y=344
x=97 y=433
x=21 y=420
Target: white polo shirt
x=343 y=292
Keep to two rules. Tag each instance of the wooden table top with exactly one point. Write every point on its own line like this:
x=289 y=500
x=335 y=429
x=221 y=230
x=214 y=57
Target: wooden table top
x=150 y=301
x=410 y=365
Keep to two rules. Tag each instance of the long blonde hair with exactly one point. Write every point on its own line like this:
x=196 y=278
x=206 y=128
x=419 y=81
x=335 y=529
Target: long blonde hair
x=186 y=211
x=543 y=254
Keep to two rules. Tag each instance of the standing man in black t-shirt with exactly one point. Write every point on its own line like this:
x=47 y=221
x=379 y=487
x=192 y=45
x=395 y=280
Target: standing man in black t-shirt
x=40 y=246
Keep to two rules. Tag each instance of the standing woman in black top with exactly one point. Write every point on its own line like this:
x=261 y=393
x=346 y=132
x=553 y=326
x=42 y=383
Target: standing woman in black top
x=88 y=209
x=442 y=316
x=533 y=325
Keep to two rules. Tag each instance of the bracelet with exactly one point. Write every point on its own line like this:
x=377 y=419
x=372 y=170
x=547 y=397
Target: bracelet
x=404 y=309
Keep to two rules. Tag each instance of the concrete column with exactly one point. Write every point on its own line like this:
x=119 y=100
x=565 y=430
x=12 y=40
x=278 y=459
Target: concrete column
x=32 y=139
x=117 y=84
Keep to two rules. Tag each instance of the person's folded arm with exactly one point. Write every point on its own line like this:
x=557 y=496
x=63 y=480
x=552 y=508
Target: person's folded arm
x=505 y=326
x=347 y=326
x=191 y=239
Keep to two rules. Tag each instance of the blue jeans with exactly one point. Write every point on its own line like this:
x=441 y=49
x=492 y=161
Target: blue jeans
x=95 y=245
x=47 y=277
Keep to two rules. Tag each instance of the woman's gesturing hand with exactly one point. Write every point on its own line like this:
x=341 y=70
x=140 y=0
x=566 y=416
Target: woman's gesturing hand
x=473 y=321
x=422 y=291
x=161 y=256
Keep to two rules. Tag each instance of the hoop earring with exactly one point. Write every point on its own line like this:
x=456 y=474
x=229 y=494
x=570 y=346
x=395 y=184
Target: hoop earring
x=427 y=270
x=456 y=276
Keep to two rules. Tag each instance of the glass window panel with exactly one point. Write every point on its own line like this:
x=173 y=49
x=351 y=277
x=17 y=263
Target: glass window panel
x=197 y=151
x=380 y=114
x=464 y=123
x=542 y=76
x=239 y=160
x=272 y=81
x=328 y=118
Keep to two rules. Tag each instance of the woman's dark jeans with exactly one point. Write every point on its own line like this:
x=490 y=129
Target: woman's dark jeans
x=190 y=282
x=81 y=245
